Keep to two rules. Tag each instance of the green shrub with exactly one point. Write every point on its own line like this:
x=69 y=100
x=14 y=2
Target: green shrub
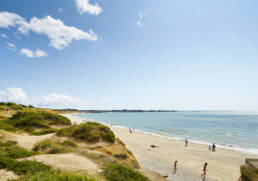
x=44 y=131
x=29 y=120
x=5 y=126
x=49 y=146
x=69 y=143
x=52 y=176
x=6 y=163
x=29 y=167
x=23 y=167
x=249 y=173
x=90 y=132
x=12 y=105
x=116 y=172
x=11 y=150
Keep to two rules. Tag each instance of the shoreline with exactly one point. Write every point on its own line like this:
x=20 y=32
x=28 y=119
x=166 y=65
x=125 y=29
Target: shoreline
x=224 y=164
x=251 y=151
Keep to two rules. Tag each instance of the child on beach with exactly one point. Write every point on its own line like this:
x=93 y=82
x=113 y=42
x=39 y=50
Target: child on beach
x=209 y=147
x=175 y=166
x=204 y=170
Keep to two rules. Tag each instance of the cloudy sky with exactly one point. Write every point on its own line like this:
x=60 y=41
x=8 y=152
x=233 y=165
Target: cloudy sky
x=137 y=54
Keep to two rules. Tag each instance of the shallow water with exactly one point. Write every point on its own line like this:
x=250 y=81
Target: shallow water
x=235 y=130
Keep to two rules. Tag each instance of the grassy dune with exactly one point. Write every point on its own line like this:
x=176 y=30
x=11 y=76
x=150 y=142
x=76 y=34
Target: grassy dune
x=113 y=158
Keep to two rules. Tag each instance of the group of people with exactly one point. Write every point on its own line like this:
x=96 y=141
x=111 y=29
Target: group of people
x=212 y=147
x=203 y=175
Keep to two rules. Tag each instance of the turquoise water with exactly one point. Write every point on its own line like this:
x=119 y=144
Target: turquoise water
x=235 y=130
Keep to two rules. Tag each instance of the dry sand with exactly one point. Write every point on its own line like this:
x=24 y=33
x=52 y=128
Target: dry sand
x=223 y=165
x=7 y=175
x=70 y=162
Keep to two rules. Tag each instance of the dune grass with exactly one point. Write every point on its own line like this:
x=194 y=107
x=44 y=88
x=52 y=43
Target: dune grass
x=55 y=176
x=116 y=172
x=29 y=120
x=44 y=131
x=10 y=149
x=90 y=132
x=249 y=173
x=22 y=167
x=51 y=146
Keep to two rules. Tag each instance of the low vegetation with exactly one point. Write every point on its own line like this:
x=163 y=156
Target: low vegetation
x=249 y=173
x=44 y=131
x=51 y=146
x=90 y=132
x=10 y=149
x=116 y=172
x=29 y=120
x=55 y=176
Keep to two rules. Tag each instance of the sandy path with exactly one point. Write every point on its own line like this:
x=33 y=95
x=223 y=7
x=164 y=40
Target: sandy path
x=223 y=165
x=7 y=175
x=69 y=162
x=28 y=141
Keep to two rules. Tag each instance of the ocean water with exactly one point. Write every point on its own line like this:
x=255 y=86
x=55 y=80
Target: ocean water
x=232 y=130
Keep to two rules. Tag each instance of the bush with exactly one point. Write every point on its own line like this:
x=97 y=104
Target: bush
x=69 y=143
x=44 y=131
x=11 y=150
x=249 y=173
x=29 y=167
x=116 y=172
x=23 y=167
x=49 y=146
x=29 y=120
x=90 y=132
x=5 y=126
x=12 y=105
x=52 y=176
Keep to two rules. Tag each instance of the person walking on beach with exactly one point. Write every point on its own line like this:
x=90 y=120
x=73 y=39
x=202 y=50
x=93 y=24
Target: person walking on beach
x=209 y=147
x=186 y=142
x=204 y=170
x=213 y=147
x=175 y=166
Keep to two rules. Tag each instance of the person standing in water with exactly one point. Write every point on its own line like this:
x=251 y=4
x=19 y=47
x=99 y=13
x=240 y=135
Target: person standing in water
x=186 y=141
x=204 y=170
x=175 y=166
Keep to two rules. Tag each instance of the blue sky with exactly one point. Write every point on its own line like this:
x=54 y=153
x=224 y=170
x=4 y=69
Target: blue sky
x=174 y=54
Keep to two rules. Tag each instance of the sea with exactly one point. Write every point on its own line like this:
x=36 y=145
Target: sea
x=227 y=129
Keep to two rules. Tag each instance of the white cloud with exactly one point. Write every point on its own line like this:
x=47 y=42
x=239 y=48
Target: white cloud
x=51 y=101
x=60 y=10
x=13 y=95
x=140 y=17
x=59 y=34
x=29 y=53
x=40 y=53
x=9 y=19
x=84 y=6
x=60 y=101
x=4 y=36
x=11 y=45
x=106 y=100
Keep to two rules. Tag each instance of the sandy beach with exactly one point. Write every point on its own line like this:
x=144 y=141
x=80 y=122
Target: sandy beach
x=223 y=165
